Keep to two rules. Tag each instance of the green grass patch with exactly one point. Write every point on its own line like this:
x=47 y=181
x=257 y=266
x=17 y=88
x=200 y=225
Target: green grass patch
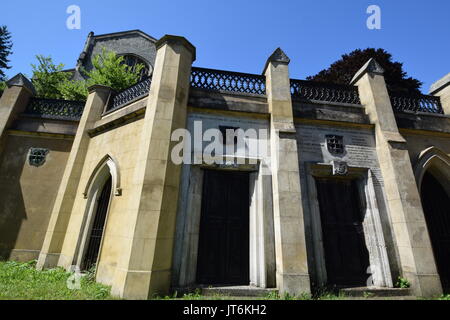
x=21 y=281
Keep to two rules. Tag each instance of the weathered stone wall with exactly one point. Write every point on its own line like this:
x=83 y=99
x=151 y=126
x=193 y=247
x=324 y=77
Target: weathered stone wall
x=190 y=199
x=419 y=141
x=132 y=43
x=360 y=152
x=150 y=228
x=28 y=193
x=120 y=144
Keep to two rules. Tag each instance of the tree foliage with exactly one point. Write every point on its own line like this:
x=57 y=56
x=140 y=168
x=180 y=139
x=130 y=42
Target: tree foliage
x=5 y=51
x=108 y=69
x=48 y=77
x=343 y=70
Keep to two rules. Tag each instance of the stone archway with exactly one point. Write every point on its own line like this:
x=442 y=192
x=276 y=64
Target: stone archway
x=436 y=161
x=433 y=177
x=102 y=185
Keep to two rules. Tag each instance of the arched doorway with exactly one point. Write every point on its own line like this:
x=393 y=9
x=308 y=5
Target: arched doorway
x=98 y=224
x=436 y=206
x=101 y=187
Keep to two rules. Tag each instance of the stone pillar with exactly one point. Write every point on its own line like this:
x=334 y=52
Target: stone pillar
x=441 y=88
x=145 y=267
x=50 y=255
x=402 y=195
x=290 y=247
x=13 y=102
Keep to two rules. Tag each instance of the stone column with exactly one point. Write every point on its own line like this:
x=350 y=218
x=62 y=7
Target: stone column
x=50 y=255
x=441 y=88
x=402 y=195
x=13 y=102
x=145 y=267
x=290 y=247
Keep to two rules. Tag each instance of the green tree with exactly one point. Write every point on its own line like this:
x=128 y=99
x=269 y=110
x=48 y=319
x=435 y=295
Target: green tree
x=73 y=90
x=5 y=51
x=108 y=69
x=48 y=77
x=343 y=70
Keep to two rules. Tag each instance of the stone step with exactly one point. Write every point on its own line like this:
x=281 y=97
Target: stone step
x=375 y=292
x=237 y=291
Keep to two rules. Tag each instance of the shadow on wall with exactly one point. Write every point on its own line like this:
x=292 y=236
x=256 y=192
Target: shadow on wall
x=12 y=214
x=27 y=194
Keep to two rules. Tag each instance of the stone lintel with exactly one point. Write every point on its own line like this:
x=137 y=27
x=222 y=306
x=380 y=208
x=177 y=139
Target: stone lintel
x=277 y=56
x=371 y=66
x=20 y=80
x=171 y=39
x=440 y=85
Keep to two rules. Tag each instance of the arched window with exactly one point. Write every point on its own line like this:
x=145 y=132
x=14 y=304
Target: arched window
x=133 y=60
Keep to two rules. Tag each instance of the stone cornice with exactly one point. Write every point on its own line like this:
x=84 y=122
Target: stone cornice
x=171 y=39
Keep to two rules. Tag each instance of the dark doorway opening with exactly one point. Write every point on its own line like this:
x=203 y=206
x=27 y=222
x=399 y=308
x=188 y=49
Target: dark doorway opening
x=346 y=254
x=98 y=225
x=436 y=207
x=223 y=253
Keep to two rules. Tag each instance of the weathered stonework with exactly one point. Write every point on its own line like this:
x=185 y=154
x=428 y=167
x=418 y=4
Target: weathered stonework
x=150 y=240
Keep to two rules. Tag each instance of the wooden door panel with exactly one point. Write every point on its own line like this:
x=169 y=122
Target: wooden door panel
x=223 y=256
x=346 y=255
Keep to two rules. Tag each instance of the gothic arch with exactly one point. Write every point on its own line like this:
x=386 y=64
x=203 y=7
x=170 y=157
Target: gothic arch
x=107 y=162
x=132 y=59
x=106 y=170
x=436 y=161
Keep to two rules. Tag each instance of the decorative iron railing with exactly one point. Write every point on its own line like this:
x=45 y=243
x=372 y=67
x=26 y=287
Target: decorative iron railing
x=416 y=103
x=133 y=93
x=55 y=109
x=227 y=81
x=320 y=91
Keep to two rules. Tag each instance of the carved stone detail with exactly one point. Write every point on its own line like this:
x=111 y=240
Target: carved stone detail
x=340 y=168
x=335 y=144
x=37 y=156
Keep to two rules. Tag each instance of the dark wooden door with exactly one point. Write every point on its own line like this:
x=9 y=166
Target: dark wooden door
x=436 y=206
x=346 y=254
x=98 y=225
x=223 y=253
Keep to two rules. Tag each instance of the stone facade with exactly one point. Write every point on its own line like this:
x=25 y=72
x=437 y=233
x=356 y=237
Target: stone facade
x=54 y=167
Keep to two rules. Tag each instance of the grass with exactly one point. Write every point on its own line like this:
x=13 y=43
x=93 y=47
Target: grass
x=21 y=281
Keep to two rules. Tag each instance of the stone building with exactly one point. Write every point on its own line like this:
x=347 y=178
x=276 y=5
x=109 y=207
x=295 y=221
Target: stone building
x=347 y=182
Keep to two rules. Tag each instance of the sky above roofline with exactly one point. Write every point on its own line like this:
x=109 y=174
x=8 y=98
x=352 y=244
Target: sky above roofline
x=241 y=35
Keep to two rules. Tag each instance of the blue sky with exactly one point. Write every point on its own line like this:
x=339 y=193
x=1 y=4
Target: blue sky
x=240 y=35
